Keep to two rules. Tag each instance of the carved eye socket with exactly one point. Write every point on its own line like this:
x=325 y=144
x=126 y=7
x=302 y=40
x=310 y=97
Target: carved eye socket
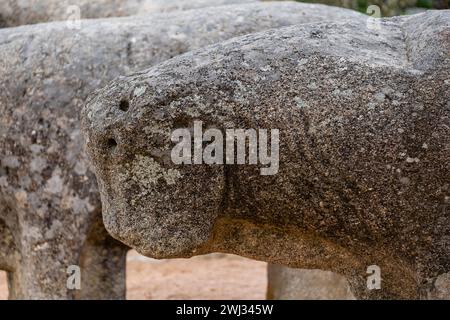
x=111 y=144
x=124 y=105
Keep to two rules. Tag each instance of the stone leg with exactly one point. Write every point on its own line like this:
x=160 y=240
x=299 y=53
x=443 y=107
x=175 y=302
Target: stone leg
x=103 y=263
x=301 y=284
x=37 y=268
x=437 y=288
x=8 y=253
x=40 y=275
x=6 y=247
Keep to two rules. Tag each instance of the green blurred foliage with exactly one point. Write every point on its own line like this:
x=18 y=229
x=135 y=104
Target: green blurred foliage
x=388 y=7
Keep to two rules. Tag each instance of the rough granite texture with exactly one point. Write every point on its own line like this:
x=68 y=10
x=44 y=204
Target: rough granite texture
x=298 y=284
x=16 y=13
x=49 y=203
x=363 y=115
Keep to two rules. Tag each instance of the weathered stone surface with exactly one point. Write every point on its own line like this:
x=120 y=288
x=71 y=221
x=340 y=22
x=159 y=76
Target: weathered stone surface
x=299 y=284
x=16 y=13
x=49 y=203
x=363 y=117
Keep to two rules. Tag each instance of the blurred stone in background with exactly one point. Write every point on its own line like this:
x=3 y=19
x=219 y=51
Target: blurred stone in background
x=16 y=13
x=388 y=7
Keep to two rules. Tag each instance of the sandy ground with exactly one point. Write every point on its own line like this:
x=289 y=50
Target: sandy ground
x=3 y=286
x=207 y=277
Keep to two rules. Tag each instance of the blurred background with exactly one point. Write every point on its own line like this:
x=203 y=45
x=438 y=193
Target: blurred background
x=388 y=8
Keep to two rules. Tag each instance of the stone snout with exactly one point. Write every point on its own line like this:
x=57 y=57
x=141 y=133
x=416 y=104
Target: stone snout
x=228 y=150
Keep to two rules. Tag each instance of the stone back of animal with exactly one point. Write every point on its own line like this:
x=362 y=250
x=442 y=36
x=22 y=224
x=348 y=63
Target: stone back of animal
x=16 y=13
x=362 y=111
x=48 y=194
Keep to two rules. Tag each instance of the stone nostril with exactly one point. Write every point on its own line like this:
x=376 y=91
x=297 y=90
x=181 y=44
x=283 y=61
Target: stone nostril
x=124 y=105
x=111 y=144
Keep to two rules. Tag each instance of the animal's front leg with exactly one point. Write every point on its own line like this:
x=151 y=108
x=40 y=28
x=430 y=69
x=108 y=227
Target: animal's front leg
x=102 y=262
x=63 y=258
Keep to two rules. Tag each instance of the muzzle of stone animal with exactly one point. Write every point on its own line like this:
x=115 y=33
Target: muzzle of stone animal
x=160 y=209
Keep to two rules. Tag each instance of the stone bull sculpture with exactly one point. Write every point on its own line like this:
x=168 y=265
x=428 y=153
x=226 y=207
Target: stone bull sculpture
x=362 y=115
x=16 y=13
x=50 y=212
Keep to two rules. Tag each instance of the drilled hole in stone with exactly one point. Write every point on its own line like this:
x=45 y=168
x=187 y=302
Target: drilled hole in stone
x=124 y=105
x=112 y=143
